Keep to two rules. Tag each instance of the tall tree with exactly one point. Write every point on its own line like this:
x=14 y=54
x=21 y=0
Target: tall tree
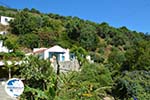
x=88 y=38
x=29 y=40
x=24 y=23
x=39 y=79
x=138 y=57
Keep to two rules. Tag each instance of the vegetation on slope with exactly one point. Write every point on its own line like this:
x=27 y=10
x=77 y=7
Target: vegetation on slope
x=121 y=56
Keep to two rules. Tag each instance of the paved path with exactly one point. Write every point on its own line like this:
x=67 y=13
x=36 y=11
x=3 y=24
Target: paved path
x=3 y=94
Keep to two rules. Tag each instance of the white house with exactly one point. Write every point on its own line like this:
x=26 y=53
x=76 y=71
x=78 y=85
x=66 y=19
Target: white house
x=53 y=53
x=3 y=48
x=1 y=42
x=5 y=20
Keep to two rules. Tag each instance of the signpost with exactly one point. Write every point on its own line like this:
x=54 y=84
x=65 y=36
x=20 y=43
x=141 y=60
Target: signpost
x=14 y=87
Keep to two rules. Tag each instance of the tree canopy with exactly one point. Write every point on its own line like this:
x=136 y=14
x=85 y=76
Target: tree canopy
x=121 y=57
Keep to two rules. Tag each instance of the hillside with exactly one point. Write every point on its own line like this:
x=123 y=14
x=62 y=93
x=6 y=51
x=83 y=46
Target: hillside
x=122 y=54
x=33 y=29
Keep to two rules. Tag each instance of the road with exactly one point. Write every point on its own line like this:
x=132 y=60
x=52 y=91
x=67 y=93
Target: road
x=3 y=94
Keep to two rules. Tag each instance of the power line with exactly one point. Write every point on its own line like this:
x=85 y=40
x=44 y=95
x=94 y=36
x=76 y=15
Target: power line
x=4 y=4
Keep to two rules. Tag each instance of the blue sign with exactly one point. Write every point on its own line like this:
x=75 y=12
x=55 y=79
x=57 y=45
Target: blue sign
x=14 y=87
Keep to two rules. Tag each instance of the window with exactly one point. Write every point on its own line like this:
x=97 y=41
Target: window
x=6 y=20
x=63 y=58
x=4 y=33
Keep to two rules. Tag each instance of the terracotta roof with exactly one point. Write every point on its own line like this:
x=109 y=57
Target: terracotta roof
x=40 y=51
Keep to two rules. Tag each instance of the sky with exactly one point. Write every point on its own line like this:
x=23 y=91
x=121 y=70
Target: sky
x=134 y=14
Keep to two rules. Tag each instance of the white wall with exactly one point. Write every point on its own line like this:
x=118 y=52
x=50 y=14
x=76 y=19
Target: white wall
x=4 y=20
x=1 y=43
x=3 y=32
x=4 y=49
x=67 y=55
x=46 y=54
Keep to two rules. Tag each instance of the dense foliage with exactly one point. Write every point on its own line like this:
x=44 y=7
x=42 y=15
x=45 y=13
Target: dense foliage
x=121 y=57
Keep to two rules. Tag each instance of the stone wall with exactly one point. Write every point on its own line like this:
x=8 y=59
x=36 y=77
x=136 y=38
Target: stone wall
x=67 y=66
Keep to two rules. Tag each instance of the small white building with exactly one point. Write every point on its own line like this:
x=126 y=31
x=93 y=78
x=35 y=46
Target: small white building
x=53 y=53
x=5 y=20
x=3 y=32
x=3 y=48
x=1 y=42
